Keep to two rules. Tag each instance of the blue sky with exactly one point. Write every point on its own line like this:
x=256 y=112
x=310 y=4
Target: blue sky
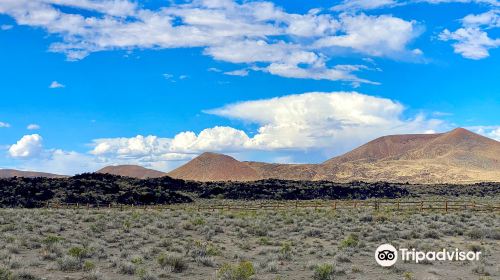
x=156 y=83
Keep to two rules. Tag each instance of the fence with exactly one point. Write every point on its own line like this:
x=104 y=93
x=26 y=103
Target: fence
x=394 y=205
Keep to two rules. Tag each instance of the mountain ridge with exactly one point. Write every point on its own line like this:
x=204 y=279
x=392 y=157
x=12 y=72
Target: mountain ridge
x=451 y=157
x=134 y=171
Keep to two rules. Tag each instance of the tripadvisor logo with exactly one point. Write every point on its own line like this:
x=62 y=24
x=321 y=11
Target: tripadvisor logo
x=387 y=255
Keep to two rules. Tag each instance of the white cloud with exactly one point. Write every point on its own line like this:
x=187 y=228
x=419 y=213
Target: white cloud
x=56 y=84
x=364 y=4
x=4 y=125
x=259 y=31
x=470 y=42
x=33 y=126
x=240 y=72
x=492 y=131
x=329 y=123
x=322 y=120
x=383 y=35
x=489 y=19
x=27 y=147
x=5 y=27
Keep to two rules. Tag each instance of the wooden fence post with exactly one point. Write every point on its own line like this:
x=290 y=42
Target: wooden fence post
x=446 y=206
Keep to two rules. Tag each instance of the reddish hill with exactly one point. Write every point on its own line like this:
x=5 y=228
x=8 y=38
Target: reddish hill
x=215 y=167
x=8 y=173
x=134 y=171
x=457 y=156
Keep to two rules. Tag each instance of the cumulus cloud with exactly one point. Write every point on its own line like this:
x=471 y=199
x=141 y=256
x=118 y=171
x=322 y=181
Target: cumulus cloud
x=329 y=123
x=383 y=35
x=56 y=84
x=33 y=126
x=492 y=131
x=249 y=32
x=27 y=147
x=4 y=125
x=322 y=120
x=472 y=41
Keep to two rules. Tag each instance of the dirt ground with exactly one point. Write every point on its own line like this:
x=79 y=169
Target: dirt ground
x=264 y=244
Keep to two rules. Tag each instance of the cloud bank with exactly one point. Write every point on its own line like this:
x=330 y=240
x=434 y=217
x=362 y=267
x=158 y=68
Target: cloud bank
x=257 y=33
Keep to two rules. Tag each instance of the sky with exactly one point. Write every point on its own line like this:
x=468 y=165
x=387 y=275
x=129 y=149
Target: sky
x=90 y=83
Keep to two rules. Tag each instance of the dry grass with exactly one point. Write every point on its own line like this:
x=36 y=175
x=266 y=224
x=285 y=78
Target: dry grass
x=273 y=244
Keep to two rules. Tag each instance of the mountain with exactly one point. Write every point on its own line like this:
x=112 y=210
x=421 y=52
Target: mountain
x=215 y=167
x=134 y=171
x=7 y=173
x=457 y=156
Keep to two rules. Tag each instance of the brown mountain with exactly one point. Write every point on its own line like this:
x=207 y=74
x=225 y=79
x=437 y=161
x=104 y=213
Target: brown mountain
x=8 y=173
x=215 y=167
x=134 y=171
x=457 y=156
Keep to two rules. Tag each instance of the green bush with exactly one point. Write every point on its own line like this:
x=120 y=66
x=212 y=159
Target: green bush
x=324 y=272
x=88 y=265
x=52 y=239
x=5 y=274
x=351 y=240
x=242 y=271
x=78 y=252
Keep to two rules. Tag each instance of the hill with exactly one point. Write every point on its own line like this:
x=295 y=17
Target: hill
x=8 y=173
x=134 y=171
x=457 y=156
x=215 y=167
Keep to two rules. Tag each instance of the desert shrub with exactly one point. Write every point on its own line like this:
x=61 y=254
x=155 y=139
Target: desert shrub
x=198 y=221
x=145 y=275
x=52 y=239
x=137 y=260
x=127 y=268
x=271 y=267
x=5 y=274
x=366 y=218
x=351 y=240
x=285 y=252
x=78 y=252
x=264 y=241
x=24 y=275
x=324 y=272
x=431 y=234
x=242 y=271
x=205 y=261
x=343 y=258
x=93 y=275
x=313 y=233
x=69 y=263
x=481 y=270
x=204 y=249
x=475 y=233
x=88 y=265
x=408 y=275
x=176 y=263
